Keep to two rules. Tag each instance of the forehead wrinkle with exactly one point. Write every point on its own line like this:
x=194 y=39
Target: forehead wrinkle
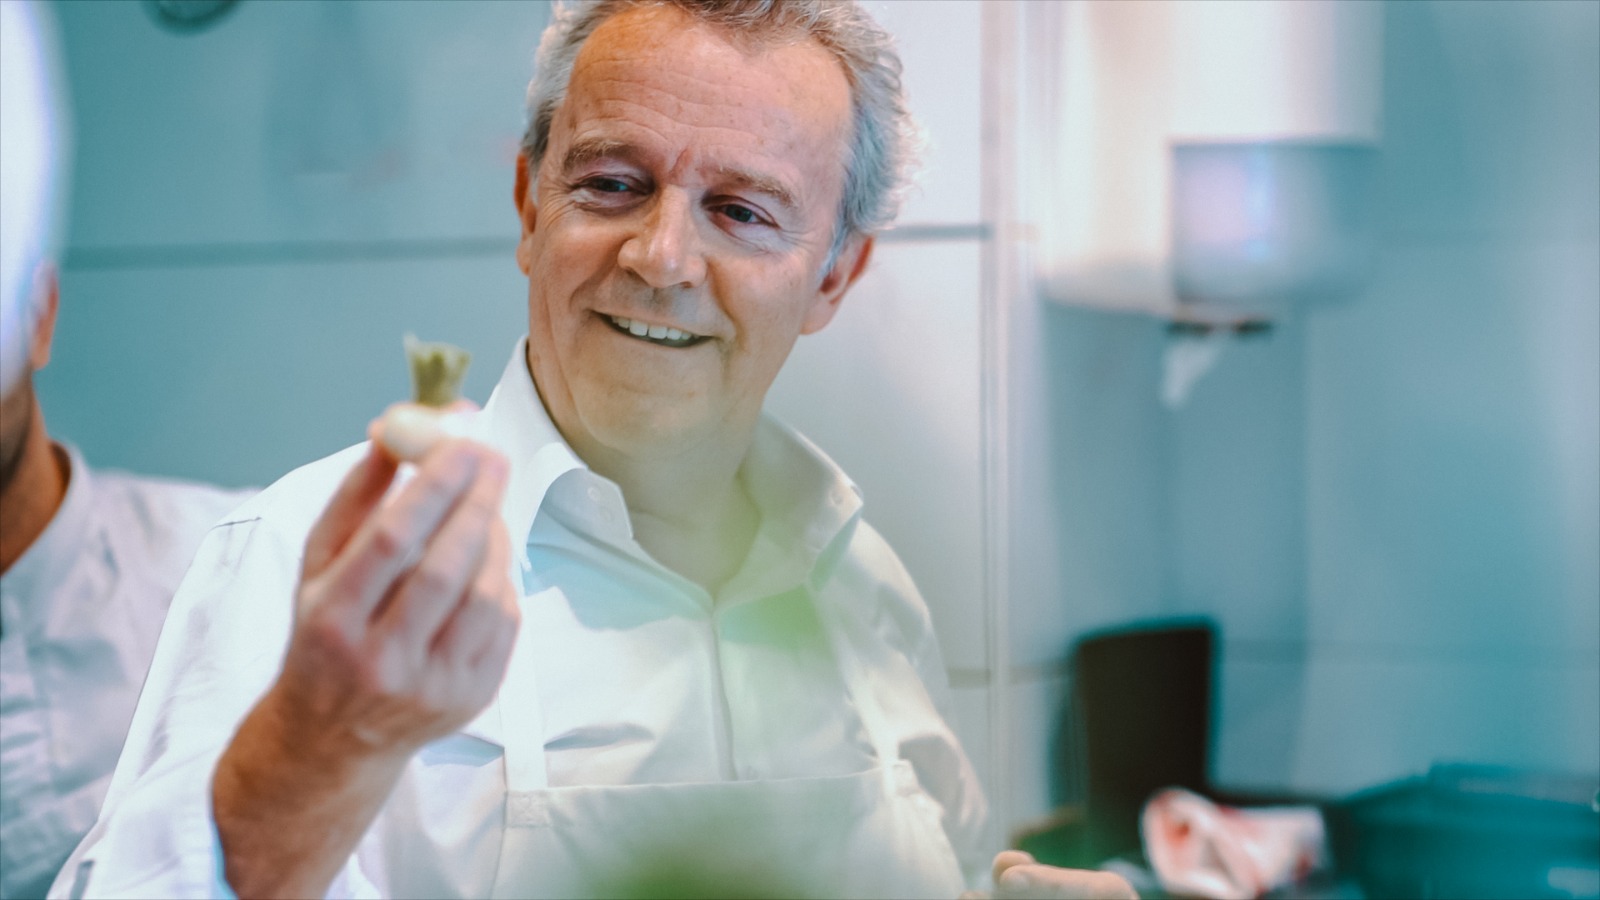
x=644 y=70
x=711 y=107
x=739 y=174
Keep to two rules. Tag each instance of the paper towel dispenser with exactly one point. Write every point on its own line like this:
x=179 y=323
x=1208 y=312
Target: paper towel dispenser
x=1213 y=158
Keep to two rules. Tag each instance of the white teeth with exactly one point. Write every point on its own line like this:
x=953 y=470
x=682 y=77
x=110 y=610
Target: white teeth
x=654 y=332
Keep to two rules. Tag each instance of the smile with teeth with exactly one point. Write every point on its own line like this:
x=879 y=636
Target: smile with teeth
x=662 y=335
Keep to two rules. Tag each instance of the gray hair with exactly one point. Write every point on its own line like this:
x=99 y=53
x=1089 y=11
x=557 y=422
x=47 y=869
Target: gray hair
x=883 y=140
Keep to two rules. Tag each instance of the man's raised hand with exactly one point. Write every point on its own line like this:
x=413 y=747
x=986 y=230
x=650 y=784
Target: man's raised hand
x=404 y=621
x=405 y=616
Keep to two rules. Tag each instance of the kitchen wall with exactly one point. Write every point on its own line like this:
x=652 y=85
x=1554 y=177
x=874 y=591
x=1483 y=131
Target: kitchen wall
x=262 y=208
x=1453 y=416
x=1390 y=505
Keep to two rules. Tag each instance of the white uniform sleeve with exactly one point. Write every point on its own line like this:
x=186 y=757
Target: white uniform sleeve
x=220 y=648
x=947 y=773
x=928 y=742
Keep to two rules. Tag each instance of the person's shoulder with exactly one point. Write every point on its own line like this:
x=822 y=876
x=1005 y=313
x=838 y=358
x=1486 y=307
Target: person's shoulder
x=294 y=501
x=869 y=559
x=177 y=508
x=158 y=499
x=880 y=585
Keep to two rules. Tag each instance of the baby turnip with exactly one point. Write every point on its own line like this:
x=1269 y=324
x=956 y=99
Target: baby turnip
x=436 y=411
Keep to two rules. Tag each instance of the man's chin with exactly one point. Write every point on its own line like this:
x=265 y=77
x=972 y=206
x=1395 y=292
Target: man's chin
x=652 y=436
x=652 y=433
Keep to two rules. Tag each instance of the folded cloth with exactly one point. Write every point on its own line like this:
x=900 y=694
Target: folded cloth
x=1201 y=849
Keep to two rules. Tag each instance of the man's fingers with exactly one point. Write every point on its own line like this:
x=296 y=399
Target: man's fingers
x=391 y=540
x=452 y=559
x=1032 y=881
x=482 y=627
x=1005 y=859
x=358 y=494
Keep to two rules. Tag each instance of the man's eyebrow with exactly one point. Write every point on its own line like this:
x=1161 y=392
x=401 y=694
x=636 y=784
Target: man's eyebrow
x=589 y=150
x=762 y=184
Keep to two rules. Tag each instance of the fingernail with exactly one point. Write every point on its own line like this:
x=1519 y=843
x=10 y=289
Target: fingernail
x=1016 y=881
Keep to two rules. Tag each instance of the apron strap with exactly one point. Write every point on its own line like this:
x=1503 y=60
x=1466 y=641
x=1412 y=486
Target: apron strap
x=522 y=726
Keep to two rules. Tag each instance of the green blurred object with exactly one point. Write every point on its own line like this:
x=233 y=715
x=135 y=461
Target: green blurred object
x=690 y=879
x=707 y=861
x=1467 y=832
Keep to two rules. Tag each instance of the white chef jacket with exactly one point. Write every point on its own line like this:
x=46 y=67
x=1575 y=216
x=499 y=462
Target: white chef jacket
x=80 y=611
x=643 y=677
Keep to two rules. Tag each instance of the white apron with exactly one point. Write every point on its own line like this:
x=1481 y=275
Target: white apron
x=875 y=833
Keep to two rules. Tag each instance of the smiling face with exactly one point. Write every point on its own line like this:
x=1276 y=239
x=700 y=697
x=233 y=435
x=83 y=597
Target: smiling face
x=675 y=235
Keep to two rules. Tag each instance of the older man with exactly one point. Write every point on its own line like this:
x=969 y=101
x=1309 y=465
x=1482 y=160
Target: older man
x=88 y=560
x=723 y=679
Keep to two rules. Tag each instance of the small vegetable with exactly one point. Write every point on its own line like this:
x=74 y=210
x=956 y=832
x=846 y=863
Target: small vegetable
x=409 y=430
x=436 y=371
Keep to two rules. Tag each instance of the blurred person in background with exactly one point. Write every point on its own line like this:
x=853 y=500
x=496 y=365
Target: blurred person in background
x=629 y=636
x=88 y=560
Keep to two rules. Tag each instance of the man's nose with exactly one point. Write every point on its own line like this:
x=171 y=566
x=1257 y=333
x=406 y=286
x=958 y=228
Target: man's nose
x=665 y=250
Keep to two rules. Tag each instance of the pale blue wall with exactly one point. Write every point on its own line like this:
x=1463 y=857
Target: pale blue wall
x=263 y=208
x=1453 y=414
x=1392 y=506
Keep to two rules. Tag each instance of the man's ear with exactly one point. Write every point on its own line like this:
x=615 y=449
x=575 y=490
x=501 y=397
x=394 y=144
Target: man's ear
x=527 y=213
x=847 y=269
x=46 y=300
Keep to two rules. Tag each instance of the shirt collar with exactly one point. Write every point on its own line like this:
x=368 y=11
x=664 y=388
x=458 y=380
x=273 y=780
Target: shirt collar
x=515 y=422
x=805 y=500
x=59 y=547
x=797 y=487
x=807 y=505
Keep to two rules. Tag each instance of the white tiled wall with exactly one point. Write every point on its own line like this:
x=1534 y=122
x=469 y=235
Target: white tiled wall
x=236 y=374
x=890 y=390
x=312 y=121
x=1453 y=464
x=1391 y=505
x=1370 y=716
x=1486 y=118
x=1035 y=705
x=1259 y=700
x=939 y=42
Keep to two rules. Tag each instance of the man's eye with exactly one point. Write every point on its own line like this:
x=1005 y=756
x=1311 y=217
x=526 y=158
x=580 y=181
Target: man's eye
x=606 y=185
x=744 y=215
